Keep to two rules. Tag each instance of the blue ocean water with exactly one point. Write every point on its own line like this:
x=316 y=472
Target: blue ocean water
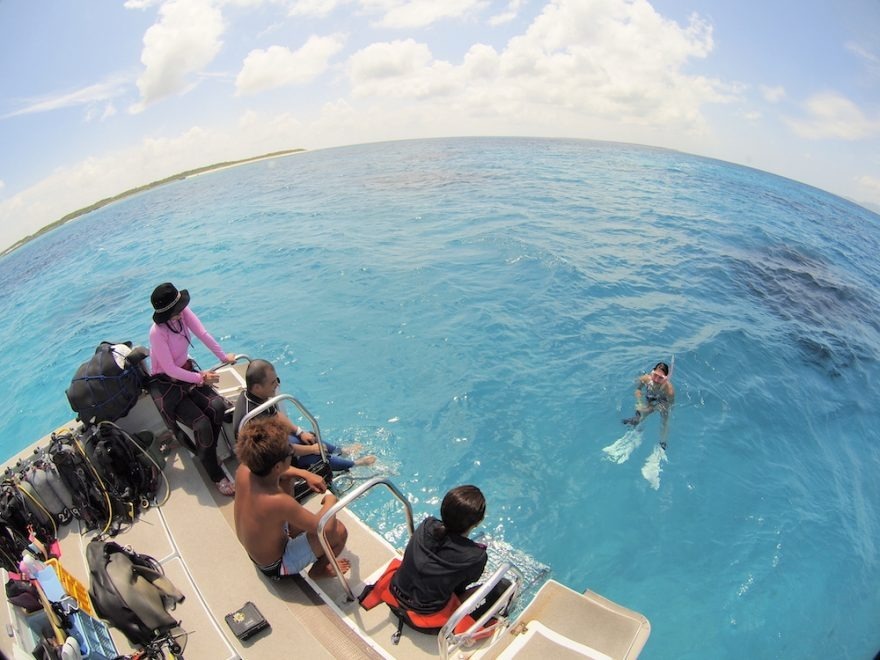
x=476 y=310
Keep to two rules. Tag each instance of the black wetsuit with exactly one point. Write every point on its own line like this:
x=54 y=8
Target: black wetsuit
x=433 y=569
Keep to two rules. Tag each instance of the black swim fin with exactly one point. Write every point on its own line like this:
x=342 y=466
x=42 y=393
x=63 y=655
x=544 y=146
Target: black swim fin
x=635 y=419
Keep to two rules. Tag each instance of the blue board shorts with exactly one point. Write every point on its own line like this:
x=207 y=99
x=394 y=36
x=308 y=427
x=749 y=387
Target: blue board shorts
x=297 y=555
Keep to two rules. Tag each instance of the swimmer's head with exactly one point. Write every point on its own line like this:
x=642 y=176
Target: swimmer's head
x=660 y=372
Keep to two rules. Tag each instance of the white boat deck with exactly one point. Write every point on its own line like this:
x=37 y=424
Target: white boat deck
x=193 y=537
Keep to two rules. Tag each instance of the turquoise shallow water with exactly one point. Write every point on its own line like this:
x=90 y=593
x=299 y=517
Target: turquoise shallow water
x=475 y=310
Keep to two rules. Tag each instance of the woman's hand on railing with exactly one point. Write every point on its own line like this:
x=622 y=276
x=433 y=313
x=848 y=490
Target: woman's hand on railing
x=231 y=358
x=210 y=377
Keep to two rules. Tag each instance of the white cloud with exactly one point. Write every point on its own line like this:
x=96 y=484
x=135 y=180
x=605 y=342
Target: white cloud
x=102 y=91
x=773 y=94
x=869 y=59
x=403 y=14
x=389 y=60
x=870 y=184
x=185 y=39
x=2 y=184
x=278 y=66
x=250 y=3
x=401 y=69
x=394 y=14
x=868 y=56
x=256 y=124
x=100 y=113
x=314 y=8
x=508 y=14
x=604 y=59
x=481 y=61
x=830 y=115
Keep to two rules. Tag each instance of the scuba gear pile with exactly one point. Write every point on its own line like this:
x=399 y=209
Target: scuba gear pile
x=128 y=472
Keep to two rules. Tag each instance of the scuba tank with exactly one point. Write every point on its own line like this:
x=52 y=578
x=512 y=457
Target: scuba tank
x=48 y=487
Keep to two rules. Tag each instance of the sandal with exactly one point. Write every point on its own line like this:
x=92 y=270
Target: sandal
x=166 y=441
x=225 y=487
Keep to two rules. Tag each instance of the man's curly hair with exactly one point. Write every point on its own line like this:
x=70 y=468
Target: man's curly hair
x=262 y=442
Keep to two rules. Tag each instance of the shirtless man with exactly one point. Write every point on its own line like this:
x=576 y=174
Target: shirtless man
x=279 y=534
x=659 y=395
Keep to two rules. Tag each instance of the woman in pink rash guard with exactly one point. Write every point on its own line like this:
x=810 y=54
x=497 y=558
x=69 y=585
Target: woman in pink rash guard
x=182 y=394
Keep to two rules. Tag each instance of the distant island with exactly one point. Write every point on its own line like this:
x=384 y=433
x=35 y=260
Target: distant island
x=140 y=189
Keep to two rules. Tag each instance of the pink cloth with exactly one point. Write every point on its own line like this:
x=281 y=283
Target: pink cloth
x=169 y=350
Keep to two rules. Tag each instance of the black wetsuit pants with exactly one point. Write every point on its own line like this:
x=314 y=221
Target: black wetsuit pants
x=200 y=408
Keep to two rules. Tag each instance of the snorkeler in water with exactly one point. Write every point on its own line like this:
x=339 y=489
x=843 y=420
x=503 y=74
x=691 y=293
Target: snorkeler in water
x=654 y=391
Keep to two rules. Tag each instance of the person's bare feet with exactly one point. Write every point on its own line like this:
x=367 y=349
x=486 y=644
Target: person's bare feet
x=365 y=460
x=352 y=449
x=323 y=569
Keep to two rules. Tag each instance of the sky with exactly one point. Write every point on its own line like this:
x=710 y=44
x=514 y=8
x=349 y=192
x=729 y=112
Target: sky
x=100 y=96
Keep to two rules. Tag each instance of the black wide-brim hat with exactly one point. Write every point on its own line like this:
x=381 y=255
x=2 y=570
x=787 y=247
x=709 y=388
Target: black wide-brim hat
x=168 y=301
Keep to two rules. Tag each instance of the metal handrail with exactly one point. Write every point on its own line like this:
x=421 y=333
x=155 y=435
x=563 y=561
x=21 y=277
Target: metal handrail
x=448 y=641
x=275 y=400
x=238 y=356
x=343 y=503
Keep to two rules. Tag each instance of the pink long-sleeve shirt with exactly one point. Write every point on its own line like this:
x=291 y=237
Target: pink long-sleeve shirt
x=169 y=350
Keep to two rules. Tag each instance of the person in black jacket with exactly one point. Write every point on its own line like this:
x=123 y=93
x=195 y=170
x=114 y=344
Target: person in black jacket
x=440 y=559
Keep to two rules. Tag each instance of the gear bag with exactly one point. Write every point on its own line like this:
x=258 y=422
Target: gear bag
x=107 y=386
x=130 y=591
